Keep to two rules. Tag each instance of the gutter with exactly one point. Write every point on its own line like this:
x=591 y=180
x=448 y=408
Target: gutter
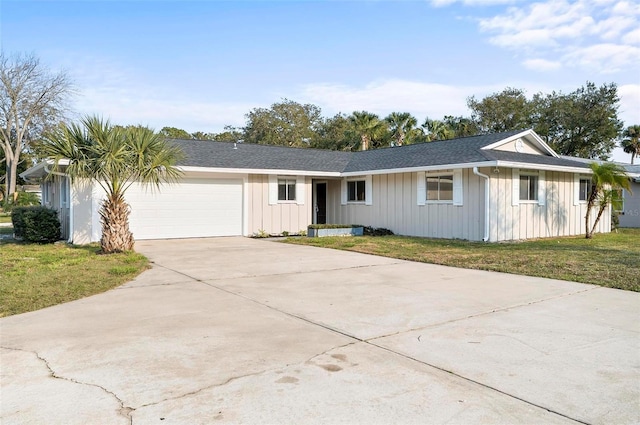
x=56 y=173
x=486 y=202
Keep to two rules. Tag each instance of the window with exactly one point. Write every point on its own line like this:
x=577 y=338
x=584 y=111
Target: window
x=528 y=188
x=356 y=191
x=440 y=188
x=584 y=189
x=286 y=190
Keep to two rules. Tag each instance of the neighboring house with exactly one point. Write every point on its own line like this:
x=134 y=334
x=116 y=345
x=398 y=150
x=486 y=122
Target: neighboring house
x=497 y=187
x=629 y=215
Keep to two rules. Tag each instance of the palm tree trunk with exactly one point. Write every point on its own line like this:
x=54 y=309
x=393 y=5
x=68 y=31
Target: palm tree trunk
x=595 y=223
x=116 y=236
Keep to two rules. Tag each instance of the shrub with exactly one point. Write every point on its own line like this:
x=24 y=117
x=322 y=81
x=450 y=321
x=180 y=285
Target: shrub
x=36 y=224
x=380 y=231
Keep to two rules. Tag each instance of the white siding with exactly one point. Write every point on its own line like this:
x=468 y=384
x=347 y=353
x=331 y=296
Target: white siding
x=395 y=207
x=278 y=217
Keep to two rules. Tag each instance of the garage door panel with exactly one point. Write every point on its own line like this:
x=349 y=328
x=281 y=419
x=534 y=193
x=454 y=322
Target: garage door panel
x=191 y=208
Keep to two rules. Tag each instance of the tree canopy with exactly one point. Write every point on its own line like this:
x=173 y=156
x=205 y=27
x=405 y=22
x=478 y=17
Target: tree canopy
x=32 y=100
x=631 y=141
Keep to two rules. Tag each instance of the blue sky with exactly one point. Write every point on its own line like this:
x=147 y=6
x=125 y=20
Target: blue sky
x=199 y=65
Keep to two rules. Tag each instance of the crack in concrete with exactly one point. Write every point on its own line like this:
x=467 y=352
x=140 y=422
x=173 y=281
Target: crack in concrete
x=124 y=411
x=372 y=344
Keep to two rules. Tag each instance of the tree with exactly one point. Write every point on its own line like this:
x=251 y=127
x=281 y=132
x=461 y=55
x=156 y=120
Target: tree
x=175 y=133
x=499 y=112
x=401 y=126
x=368 y=127
x=631 y=142
x=583 y=123
x=336 y=133
x=230 y=134
x=287 y=123
x=606 y=182
x=437 y=130
x=461 y=126
x=114 y=158
x=32 y=99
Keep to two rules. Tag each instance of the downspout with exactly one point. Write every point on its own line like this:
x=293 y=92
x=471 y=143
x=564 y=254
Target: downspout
x=486 y=203
x=56 y=173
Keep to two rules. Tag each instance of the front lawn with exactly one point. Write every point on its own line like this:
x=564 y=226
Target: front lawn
x=36 y=276
x=611 y=260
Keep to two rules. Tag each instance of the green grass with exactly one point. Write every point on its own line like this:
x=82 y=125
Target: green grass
x=36 y=276
x=611 y=260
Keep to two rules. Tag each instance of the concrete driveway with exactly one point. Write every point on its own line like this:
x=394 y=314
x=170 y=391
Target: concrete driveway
x=235 y=330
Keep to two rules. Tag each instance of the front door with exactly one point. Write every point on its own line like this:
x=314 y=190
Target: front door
x=321 y=203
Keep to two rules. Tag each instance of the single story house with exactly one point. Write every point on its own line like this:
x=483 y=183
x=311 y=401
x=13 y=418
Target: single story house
x=496 y=187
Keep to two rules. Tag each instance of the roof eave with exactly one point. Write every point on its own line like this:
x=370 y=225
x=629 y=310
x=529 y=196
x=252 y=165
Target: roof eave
x=41 y=169
x=530 y=133
x=284 y=172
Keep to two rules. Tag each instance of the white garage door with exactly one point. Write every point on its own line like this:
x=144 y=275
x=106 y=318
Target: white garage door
x=192 y=208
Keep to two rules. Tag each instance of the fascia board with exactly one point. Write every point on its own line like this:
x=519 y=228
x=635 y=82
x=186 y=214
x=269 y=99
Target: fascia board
x=561 y=168
x=527 y=133
x=39 y=169
x=425 y=168
x=260 y=171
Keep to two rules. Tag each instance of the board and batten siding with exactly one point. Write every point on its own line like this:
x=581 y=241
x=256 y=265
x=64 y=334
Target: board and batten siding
x=292 y=216
x=394 y=206
x=558 y=216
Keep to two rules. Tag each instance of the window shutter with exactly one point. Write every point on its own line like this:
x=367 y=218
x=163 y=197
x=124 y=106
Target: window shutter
x=343 y=192
x=457 y=188
x=300 y=190
x=576 y=189
x=515 y=196
x=422 y=188
x=542 y=188
x=273 y=189
x=368 y=190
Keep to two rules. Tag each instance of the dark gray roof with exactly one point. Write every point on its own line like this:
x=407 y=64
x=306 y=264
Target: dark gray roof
x=204 y=153
x=443 y=152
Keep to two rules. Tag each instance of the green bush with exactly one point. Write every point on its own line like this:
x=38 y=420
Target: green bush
x=36 y=224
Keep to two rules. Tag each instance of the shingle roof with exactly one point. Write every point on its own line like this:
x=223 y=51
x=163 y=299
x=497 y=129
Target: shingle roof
x=202 y=153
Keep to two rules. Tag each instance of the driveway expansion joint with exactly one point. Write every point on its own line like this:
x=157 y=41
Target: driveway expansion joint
x=484 y=313
x=124 y=411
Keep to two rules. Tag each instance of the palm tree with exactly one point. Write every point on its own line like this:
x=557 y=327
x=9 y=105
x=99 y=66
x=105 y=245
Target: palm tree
x=631 y=142
x=607 y=181
x=368 y=127
x=114 y=157
x=401 y=125
x=437 y=130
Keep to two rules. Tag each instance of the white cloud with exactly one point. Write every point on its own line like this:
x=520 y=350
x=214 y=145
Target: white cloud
x=629 y=111
x=383 y=97
x=598 y=35
x=542 y=64
x=632 y=37
x=605 y=58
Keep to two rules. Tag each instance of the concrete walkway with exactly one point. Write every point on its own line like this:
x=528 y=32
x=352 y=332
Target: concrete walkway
x=235 y=330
